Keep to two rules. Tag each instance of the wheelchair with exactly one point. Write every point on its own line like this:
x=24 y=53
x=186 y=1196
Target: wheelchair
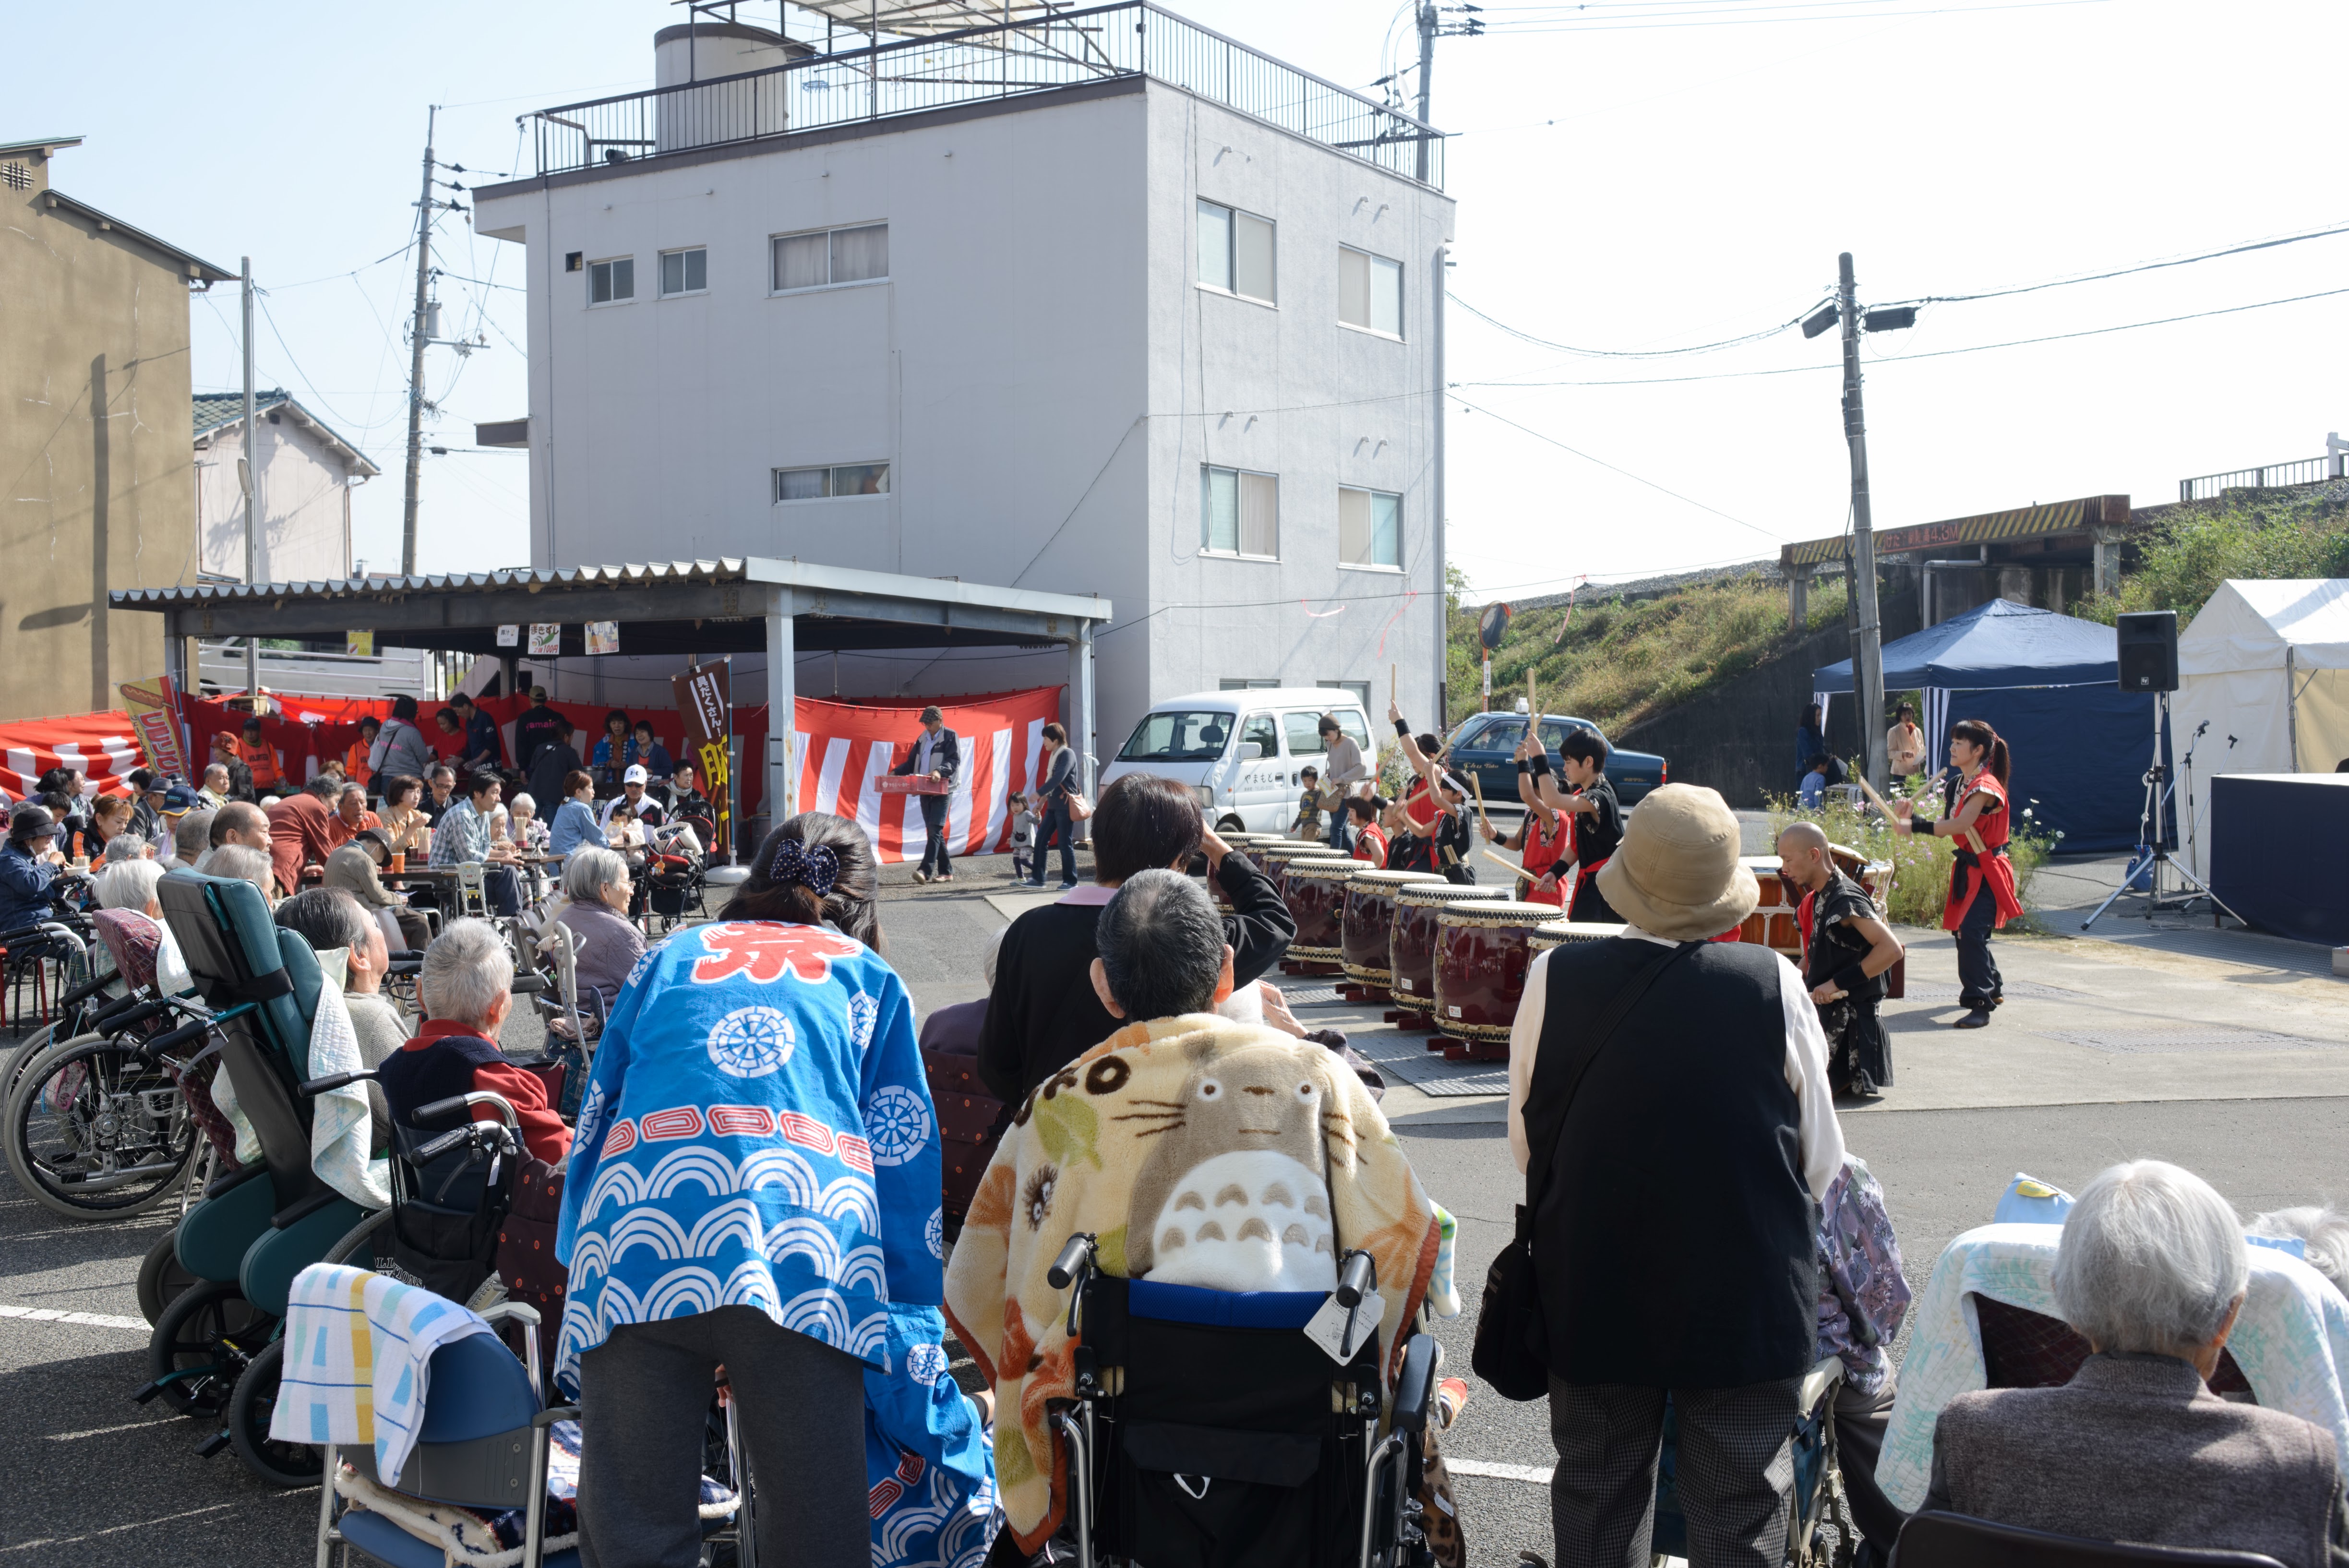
x=256 y=1227
x=676 y=862
x=1278 y=1458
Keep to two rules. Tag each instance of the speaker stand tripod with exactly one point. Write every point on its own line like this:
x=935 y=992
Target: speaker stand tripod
x=2153 y=842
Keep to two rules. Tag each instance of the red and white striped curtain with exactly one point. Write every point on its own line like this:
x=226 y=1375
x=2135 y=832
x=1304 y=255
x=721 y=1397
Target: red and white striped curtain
x=99 y=746
x=843 y=750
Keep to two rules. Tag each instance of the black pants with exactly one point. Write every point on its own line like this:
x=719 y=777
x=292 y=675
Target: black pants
x=1978 y=976
x=1057 y=826
x=1736 y=1468
x=934 y=853
x=1861 y=1420
x=1589 y=903
x=644 y=1398
x=1857 y=1045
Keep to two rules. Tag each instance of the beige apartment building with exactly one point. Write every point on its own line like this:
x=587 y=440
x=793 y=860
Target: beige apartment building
x=95 y=412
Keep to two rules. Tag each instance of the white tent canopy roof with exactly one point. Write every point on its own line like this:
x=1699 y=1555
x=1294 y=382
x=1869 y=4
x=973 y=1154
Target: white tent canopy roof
x=2250 y=625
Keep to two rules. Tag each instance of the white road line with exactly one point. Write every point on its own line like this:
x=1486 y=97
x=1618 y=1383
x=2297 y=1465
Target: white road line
x=81 y=1319
x=1538 y=1474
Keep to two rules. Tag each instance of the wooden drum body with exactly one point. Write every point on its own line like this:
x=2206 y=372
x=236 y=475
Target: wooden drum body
x=1273 y=859
x=1368 y=924
x=1773 y=922
x=1481 y=954
x=1316 y=896
x=1411 y=945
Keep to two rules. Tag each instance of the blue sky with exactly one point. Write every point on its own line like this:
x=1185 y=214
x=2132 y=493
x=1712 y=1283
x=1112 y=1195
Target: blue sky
x=1632 y=175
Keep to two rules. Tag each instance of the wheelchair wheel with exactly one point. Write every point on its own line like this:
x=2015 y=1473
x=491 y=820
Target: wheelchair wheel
x=93 y=1132
x=203 y=1343
x=162 y=1276
x=356 y=1238
x=250 y=1406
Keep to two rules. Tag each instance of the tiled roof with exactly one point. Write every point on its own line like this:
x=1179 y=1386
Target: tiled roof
x=218 y=410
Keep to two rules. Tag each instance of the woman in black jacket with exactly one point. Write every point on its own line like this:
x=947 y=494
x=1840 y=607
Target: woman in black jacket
x=1058 y=769
x=1043 y=1012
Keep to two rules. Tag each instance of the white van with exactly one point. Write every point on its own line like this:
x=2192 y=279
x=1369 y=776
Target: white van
x=1241 y=752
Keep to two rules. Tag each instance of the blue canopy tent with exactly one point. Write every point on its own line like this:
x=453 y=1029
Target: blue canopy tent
x=2050 y=686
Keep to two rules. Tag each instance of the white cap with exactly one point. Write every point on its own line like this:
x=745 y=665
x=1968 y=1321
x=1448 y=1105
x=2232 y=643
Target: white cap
x=636 y=774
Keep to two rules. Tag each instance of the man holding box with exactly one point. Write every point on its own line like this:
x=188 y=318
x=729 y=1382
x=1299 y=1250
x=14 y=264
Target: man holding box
x=936 y=754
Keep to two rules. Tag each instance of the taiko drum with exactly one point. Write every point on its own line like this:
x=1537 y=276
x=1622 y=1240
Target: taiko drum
x=1368 y=924
x=1315 y=891
x=1410 y=945
x=1482 y=950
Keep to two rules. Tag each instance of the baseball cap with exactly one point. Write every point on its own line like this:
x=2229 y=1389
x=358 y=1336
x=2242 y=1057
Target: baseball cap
x=178 y=799
x=538 y=693
x=636 y=774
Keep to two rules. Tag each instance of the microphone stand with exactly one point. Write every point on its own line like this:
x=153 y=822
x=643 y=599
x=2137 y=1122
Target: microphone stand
x=2153 y=849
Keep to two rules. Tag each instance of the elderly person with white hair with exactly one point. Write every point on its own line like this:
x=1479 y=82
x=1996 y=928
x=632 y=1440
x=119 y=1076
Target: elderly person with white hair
x=2152 y=1270
x=467 y=985
x=130 y=884
x=244 y=862
x=606 y=941
x=127 y=847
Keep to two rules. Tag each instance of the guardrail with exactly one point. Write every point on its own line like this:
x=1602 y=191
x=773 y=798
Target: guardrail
x=2275 y=475
x=1134 y=38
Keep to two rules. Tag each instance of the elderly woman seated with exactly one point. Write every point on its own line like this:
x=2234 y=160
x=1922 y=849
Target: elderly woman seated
x=2152 y=1270
x=1199 y=1151
x=607 y=944
x=467 y=985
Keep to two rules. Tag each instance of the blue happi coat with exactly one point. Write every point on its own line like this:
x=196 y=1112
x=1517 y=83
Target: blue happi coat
x=757 y=1131
x=929 y=1466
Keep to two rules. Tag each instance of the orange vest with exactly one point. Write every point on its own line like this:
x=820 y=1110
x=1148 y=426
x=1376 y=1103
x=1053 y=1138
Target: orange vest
x=262 y=758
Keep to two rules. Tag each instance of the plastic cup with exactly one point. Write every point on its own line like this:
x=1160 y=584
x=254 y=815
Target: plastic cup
x=398 y=862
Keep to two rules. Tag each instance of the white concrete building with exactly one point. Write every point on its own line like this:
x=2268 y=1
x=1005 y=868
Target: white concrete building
x=301 y=491
x=1109 y=334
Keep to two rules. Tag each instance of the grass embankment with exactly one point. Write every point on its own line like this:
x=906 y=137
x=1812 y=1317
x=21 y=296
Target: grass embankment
x=2182 y=563
x=1619 y=663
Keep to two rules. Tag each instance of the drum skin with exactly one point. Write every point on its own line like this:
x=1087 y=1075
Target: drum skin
x=1481 y=954
x=1410 y=946
x=1369 y=924
x=1558 y=933
x=1315 y=891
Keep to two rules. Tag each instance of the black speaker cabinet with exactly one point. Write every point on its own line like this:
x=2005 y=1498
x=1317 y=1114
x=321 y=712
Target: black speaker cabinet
x=2148 y=650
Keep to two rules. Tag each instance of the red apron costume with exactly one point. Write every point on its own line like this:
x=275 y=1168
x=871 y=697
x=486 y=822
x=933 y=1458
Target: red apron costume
x=1982 y=858
x=1545 y=851
x=1370 y=844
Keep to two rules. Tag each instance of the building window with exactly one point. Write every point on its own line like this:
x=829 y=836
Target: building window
x=1235 y=252
x=1370 y=291
x=826 y=258
x=1370 y=528
x=1240 y=513
x=821 y=484
x=613 y=281
x=685 y=271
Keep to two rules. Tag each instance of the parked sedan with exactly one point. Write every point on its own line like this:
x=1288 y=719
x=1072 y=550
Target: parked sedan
x=1484 y=744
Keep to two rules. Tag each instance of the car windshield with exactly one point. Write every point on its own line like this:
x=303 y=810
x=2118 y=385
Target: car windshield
x=1178 y=736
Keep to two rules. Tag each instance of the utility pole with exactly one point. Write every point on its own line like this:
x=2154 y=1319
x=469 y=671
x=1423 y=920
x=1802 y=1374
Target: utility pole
x=1867 y=658
x=250 y=483
x=1426 y=75
x=416 y=338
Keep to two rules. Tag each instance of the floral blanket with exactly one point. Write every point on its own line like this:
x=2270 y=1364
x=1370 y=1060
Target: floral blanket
x=1199 y=1152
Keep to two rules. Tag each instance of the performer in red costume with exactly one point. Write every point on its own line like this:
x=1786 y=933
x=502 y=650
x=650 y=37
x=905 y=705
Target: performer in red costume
x=1982 y=882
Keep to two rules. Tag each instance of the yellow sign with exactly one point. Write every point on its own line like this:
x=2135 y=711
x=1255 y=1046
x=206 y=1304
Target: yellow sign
x=359 y=645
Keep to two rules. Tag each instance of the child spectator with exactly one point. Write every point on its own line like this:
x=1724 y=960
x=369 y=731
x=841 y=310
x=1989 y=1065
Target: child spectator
x=1813 y=793
x=1025 y=829
x=1308 y=806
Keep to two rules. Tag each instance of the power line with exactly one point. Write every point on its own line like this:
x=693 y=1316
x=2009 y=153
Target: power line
x=1561 y=24
x=2125 y=272
x=1627 y=473
x=1739 y=341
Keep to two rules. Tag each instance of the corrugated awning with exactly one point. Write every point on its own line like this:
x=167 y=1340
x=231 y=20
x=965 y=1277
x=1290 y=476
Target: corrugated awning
x=1984 y=528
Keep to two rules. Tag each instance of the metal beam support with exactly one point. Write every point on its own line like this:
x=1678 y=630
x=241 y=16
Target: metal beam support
x=1080 y=709
x=1798 y=602
x=782 y=772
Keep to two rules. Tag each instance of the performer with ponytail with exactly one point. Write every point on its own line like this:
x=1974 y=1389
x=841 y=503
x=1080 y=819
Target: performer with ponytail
x=1982 y=895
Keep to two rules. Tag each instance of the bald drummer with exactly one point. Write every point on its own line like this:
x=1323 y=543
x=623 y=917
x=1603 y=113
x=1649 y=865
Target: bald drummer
x=1847 y=952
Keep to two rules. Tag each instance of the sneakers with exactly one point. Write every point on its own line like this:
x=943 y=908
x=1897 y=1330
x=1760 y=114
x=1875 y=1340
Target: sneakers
x=1068 y=886
x=921 y=876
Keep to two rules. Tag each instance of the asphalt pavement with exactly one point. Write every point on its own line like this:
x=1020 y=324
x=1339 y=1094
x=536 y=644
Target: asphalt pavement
x=2236 y=1067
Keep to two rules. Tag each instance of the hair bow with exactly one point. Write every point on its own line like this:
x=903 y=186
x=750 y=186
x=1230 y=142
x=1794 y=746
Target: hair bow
x=812 y=864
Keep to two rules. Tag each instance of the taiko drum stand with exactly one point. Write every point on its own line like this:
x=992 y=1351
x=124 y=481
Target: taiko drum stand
x=2153 y=843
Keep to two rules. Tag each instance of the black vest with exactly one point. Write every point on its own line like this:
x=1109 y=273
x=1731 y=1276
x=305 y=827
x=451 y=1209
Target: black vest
x=1676 y=1241
x=429 y=1074
x=1835 y=945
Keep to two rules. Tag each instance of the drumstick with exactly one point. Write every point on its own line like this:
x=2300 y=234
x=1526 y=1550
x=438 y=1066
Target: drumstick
x=1521 y=871
x=1479 y=785
x=1533 y=700
x=1861 y=778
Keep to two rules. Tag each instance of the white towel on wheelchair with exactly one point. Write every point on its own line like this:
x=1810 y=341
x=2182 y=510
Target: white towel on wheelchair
x=342 y=1125
x=2292 y=1341
x=358 y=1356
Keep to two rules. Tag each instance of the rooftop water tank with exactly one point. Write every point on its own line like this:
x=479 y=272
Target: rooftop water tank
x=703 y=52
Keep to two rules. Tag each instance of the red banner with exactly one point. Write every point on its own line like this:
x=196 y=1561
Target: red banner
x=704 y=698
x=843 y=749
x=154 y=709
x=100 y=746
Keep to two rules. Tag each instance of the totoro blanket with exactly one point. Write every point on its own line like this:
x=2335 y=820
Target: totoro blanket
x=1199 y=1152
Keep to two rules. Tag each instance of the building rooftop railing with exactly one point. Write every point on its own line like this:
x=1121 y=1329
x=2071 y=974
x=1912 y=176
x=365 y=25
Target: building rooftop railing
x=1062 y=49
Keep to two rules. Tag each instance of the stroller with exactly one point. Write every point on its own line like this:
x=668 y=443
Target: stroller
x=677 y=858
x=215 y=1351
x=1278 y=1458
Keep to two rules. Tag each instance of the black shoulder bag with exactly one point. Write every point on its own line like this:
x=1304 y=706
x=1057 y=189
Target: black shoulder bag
x=1509 y=1322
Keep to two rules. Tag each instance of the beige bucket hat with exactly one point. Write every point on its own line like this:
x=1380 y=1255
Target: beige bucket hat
x=1677 y=874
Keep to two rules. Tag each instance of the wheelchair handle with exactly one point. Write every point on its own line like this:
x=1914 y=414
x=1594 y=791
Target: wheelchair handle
x=131 y=1017
x=333 y=1081
x=84 y=992
x=114 y=1008
x=1415 y=1389
x=1075 y=1254
x=467 y=1101
x=164 y=1044
x=1356 y=1280
x=445 y=1143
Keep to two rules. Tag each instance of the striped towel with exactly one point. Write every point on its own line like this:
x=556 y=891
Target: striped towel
x=357 y=1361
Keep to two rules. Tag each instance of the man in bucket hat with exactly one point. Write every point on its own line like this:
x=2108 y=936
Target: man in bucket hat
x=1672 y=1185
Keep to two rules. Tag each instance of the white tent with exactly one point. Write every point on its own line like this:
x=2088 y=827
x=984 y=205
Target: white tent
x=2266 y=665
